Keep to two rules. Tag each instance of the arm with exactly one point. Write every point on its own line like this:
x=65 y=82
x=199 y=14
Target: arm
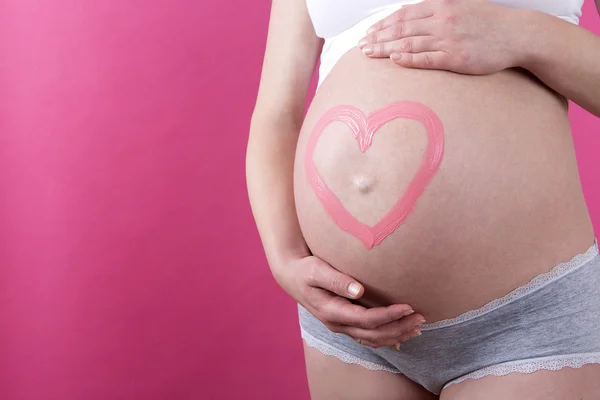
x=480 y=37
x=290 y=58
x=565 y=57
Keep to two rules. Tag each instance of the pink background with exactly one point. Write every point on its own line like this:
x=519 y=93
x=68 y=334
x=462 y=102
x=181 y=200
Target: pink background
x=130 y=267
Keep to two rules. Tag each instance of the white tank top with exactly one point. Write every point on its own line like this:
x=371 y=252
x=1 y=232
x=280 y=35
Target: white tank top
x=342 y=23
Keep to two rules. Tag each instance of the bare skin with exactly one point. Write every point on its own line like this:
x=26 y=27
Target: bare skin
x=505 y=205
x=286 y=246
x=331 y=379
x=567 y=383
x=441 y=288
x=352 y=382
x=290 y=58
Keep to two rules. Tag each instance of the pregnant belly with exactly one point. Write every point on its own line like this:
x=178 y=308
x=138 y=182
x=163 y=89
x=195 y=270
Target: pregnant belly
x=501 y=204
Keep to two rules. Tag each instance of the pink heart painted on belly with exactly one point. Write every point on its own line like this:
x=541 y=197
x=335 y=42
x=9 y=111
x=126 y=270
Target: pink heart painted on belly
x=363 y=129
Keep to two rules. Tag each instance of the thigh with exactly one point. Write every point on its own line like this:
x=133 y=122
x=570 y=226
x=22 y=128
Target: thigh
x=565 y=384
x=331 y=379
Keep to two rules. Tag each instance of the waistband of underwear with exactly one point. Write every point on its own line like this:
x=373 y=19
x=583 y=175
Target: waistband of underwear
x=538 y=282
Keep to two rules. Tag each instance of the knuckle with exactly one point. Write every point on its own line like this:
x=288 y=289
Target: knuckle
x=361 y=324
x=400 y=14
x=428 y=60
x=407 y=45
x=305 y=290
x=311 y=275
x=324 y=316
x=377 y=341
x=463 y=56
x=319 y=313
x=336 y=283
x=396 y=31
x=400 y=29
x=430 y=43
x=368 y=324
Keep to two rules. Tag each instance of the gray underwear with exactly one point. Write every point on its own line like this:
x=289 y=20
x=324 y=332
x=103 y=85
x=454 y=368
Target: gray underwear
x=550 y=323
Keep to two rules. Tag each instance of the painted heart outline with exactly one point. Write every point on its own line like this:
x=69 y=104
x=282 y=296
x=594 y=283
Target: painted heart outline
x=363 y=129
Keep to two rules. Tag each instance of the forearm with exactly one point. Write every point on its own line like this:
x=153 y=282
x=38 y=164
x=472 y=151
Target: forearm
x=269 y=176
x=564 y=56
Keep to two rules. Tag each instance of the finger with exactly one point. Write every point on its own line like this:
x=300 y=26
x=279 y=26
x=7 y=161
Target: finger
x=324 y=276
x=341 y=311
x=406 y=13
x=415 y=332
x=397 y=31
x=387 y=335
x=417 y=44
x=424 y=60
x=367 y=343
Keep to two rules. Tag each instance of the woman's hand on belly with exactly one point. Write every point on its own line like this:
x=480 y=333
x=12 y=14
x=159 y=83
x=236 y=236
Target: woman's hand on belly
x=324 y=292
x=466 y=36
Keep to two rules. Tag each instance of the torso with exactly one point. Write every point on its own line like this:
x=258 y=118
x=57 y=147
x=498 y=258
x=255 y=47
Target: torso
x=505 y=205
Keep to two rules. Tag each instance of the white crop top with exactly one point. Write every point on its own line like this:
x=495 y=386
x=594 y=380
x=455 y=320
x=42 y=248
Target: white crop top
x=342 y=23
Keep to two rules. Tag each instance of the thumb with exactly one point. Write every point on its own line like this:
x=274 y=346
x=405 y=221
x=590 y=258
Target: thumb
x=329 y=278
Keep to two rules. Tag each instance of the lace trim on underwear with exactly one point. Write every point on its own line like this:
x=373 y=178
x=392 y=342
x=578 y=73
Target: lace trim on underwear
x=536 y=283
x=329 y=350
x=553 y=363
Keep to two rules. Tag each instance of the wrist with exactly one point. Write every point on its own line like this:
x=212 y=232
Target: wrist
x=528 y=44
x=280 y=258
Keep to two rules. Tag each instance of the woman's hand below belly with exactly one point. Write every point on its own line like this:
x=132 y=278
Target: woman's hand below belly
x=504 y=204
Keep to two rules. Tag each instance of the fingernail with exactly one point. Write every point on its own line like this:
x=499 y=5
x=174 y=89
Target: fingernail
x=422 y=320
x=363 y=42
x=416 y=332
x=406 y=313
x=371 y=30
x=397 y=346
x=395 y=56
x=368 y=50
x=353 y=289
